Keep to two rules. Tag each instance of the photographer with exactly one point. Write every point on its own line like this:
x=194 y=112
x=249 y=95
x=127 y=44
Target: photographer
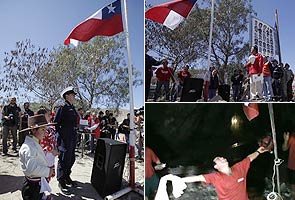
x=10 y=118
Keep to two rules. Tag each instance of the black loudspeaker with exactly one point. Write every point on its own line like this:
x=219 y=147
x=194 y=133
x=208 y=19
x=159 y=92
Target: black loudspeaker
x=108 y=166
x=192 y=89
x=224 y=92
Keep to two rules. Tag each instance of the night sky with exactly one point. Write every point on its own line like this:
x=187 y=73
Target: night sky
x=193 y=134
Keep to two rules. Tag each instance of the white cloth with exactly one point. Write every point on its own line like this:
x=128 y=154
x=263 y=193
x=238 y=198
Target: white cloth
x=50 y=158
x=256 y=85
x=252 y=59
x=177 y=184
x=44 y=185
x=33 y=161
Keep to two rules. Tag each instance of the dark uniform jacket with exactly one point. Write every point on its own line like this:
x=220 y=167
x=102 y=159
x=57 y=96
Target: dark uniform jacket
x=67 y=122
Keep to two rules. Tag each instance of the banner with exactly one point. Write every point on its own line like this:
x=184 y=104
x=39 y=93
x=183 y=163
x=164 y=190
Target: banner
x=263 y=36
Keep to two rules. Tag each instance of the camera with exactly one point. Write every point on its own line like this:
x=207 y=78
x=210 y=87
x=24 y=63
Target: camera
x=10 y=116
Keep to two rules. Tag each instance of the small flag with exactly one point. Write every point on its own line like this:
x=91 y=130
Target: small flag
x=106 y=22
x=171 y=14
x=251 y=110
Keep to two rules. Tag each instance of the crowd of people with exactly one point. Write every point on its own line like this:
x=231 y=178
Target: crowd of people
x=43 y=135
x=262 y=79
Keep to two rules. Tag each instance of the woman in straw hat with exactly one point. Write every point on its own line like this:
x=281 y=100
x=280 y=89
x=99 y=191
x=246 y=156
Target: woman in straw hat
x=33 y=161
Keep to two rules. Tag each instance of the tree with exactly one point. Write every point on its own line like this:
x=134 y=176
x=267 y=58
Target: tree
x=29 y=69
x=188 y=43
x=229 y=47
x=183 y=45
x=96 y=68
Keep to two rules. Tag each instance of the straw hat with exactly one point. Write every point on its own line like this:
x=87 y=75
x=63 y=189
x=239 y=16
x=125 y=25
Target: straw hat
x=37 y=121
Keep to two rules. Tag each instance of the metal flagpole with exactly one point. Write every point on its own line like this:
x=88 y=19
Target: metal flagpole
x=209 y=48
x=278 y=37
x=131 y=103
x=210 y=35
x=131 y=125
x=273 y=130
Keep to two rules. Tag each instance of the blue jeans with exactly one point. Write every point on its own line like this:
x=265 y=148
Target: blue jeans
x=158 y=89
x=6 y=130
x=212 y=93
x=267 y=87
x=236 y=92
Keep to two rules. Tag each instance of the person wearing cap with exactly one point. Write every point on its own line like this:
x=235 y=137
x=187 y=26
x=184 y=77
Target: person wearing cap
x=229 y=182
x=254 y=67
x=163 y=75
x=66 y=120
x=33 y=161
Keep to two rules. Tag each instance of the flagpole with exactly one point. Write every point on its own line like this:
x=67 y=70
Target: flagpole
x=131 y=103
x=278 y=37
x=209 y=49
x=273 y=130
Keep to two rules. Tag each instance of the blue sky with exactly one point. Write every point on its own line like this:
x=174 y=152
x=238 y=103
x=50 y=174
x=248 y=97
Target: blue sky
x=48 y=23
x=265 y=10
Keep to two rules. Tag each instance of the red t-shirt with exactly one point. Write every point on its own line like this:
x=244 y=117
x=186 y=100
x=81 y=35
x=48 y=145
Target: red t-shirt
x=266 y=70
x=164 y=73
x=231 y=187
x=150 y=158
x=182 y=74
x=291 y=144
x=256 y=67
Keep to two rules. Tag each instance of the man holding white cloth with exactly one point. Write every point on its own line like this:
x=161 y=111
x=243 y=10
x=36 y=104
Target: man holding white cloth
x=254 y=67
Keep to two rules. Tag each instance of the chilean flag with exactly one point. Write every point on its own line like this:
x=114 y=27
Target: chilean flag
x=106 y=22
x=170 y=14
x=251 y=110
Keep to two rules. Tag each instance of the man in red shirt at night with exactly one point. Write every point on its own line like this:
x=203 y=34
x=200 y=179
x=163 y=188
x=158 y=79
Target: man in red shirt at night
x=151 y=178
x=289 y=144
x=229 y=182
x=254 y=67
x=163 y=75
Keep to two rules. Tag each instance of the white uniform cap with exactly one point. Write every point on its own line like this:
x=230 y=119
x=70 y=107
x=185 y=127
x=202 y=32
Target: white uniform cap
x=67 y=90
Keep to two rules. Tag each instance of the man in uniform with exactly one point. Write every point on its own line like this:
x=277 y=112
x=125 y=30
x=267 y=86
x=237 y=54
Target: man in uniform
x=67 y=121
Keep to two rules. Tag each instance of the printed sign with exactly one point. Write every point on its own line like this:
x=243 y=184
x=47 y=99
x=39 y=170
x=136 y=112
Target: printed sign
x=263 y=36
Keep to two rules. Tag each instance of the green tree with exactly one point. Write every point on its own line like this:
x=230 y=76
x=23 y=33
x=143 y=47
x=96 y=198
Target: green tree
x=188 y=43
x=96 y=68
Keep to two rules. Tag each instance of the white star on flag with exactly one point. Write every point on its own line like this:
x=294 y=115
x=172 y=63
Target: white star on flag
x=111 y=8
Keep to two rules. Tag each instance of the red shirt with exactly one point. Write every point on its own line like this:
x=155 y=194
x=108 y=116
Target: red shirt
x=92 y=122
x=164 y=73
x=150 y=157
x=266 y=70
x=256 y=67
x=291 y=145
x=231 y=187
x=183 y=74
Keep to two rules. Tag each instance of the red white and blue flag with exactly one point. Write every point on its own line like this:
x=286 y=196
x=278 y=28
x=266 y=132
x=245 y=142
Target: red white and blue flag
x=171 y=14
x=106 y=22
x=251 y=110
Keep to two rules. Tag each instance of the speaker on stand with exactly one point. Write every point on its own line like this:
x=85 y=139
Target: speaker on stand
x=192 y=90
x=108 y=166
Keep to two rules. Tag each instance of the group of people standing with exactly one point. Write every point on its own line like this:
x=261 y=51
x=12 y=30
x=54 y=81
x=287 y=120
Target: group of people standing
x=267 y=80
x=44 y=135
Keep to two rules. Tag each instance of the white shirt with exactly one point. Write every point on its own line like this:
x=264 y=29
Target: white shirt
x=33 y=160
